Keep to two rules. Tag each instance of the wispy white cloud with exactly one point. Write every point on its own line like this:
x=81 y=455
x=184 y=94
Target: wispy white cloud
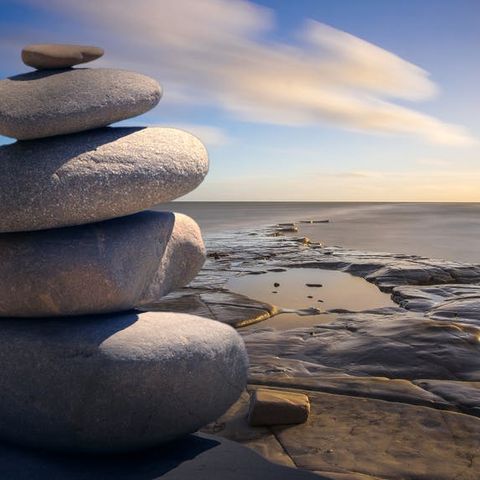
x=216 y=51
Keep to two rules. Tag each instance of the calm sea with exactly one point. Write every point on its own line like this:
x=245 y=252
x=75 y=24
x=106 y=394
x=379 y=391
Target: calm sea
x=437 y=230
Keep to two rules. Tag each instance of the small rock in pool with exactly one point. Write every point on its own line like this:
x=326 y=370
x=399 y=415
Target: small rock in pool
x=276 y=284
x=274 y=291
x=317 y=285
x=321 y=301
x=309 y=296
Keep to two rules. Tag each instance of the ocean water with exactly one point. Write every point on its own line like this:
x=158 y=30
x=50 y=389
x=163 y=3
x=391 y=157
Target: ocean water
x=449 y=231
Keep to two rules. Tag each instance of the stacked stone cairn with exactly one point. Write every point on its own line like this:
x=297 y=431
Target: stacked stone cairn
x=84 y=368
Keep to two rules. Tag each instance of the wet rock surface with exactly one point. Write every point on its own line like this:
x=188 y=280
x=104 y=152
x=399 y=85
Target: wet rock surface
x=222 y=305
x=349 y=437
x=394 y=391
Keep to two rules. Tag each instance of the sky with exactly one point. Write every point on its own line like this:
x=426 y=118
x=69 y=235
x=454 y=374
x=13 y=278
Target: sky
x=306 y=100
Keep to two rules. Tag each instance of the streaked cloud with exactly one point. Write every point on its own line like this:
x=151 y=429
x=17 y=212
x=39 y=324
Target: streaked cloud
x=217 y=51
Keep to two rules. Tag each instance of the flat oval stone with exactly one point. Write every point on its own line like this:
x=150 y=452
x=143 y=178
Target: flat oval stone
x=116 y=382
x=46 y=103
x=96 y=268
x=57 y=55
x=95 y=175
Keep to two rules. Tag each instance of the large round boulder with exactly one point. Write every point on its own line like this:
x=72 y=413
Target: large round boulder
x=116 y=382
x=97 y=268
x=95 y=175
x=45 y=103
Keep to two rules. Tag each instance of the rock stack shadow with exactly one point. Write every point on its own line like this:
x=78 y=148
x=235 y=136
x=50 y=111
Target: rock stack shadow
x=83 y=369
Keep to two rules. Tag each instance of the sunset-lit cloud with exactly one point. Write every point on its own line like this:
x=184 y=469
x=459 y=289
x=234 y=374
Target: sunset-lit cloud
x=217 y=52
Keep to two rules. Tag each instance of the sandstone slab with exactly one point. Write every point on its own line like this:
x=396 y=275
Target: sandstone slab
x=277 y=407
x=95 y=175
x=290 y=373
x=397 y=346
x=115 y=382
x=222 y=305
x=352 y=438
x=55 y=55
x=234 y=426
x=424 y=298
x=45 y=103
x=97 y=268
x=464 y=395
x=464 y=309
x=384 y=439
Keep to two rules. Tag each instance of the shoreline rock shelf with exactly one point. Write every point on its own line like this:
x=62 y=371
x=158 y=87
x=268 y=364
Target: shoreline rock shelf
x=384 y=384
x=93 y=374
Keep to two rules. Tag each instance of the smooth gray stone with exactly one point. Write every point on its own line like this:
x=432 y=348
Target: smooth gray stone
x=98 y=268
x=199 y=457
x=95 y=175
x=115 y=382
x=56 y=55
x=45 y=103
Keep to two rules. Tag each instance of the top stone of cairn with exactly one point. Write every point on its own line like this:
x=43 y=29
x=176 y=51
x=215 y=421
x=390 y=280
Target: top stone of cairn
x=47 y=56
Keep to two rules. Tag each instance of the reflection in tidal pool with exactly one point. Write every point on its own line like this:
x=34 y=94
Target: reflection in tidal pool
x=300 y=288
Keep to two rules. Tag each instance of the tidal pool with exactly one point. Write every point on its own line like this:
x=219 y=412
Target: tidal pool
x=304 y=288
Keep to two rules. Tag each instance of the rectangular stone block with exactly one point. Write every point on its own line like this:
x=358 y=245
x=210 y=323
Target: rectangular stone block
x=277 y=407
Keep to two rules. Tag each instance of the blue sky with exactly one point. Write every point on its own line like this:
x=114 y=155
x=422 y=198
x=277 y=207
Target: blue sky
x=307 y=100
